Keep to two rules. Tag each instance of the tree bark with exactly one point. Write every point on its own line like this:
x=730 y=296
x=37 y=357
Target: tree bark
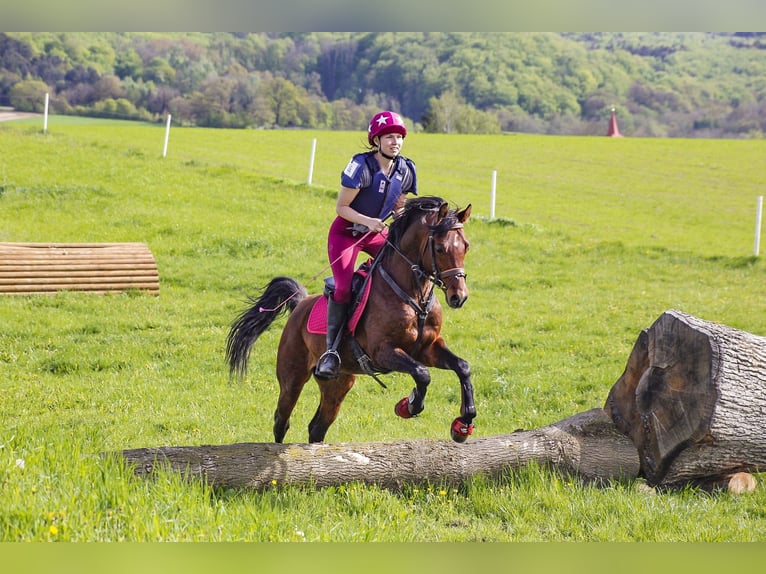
x=693 y=400
x=587 y=445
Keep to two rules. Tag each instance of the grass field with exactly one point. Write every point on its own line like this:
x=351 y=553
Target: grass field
x=593 y=238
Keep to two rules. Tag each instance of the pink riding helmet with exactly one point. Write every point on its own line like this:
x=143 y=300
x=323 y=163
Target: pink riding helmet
x=385 y=123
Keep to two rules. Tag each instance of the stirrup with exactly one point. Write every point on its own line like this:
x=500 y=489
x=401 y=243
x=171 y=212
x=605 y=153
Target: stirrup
x=328 y=371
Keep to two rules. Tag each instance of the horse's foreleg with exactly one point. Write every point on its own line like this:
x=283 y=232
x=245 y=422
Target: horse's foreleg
x=399 y=361
x=332 y=392
x=439 y=356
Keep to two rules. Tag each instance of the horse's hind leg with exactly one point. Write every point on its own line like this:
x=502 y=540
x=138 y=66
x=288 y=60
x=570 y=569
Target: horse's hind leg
x=288 y=397
x=292 y=374
x=332 y=392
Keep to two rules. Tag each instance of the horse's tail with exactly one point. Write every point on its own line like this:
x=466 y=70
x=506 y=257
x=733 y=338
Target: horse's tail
x=280 y=295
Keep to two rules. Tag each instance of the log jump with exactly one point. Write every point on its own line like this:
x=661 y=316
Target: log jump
x=587 y=445
x=40 y=268
x=690 y=408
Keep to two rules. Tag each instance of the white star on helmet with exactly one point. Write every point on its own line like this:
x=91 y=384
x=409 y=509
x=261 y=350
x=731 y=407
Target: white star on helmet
x=382 y=120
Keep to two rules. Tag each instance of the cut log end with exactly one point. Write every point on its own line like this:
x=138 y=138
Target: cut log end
x=741 y=483
x=691 y=399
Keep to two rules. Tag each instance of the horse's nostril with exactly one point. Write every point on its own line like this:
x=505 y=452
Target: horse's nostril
x=456 y=301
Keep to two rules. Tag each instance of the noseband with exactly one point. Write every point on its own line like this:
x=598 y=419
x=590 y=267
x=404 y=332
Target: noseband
x=438 y=277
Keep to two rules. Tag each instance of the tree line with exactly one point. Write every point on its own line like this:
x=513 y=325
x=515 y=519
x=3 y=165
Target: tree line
x=661 y=84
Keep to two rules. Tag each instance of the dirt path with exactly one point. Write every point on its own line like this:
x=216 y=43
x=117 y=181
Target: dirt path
x=6 y=116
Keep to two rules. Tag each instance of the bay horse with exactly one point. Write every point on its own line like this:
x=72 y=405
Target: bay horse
x=399 y=329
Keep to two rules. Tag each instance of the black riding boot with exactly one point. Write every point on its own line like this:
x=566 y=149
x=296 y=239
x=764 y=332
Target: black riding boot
x=328 y=366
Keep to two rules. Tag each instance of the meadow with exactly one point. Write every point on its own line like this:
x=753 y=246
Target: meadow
x=592 y=239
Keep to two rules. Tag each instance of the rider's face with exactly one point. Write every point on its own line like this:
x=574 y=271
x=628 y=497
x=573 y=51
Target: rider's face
x=391 y=144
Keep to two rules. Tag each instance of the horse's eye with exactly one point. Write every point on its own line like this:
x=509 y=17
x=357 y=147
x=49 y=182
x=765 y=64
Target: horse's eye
x=440 y=249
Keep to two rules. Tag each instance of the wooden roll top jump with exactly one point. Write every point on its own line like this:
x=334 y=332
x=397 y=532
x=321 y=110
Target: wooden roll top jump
x=34 y=268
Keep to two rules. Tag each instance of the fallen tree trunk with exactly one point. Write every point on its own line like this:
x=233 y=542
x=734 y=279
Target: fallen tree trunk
x=690 y=407
x=587 y=445
x=693 y=400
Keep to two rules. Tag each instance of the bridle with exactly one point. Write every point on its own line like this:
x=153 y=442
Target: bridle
x=438 y=278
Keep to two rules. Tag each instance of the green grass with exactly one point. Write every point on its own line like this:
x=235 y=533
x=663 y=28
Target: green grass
x=593 y=239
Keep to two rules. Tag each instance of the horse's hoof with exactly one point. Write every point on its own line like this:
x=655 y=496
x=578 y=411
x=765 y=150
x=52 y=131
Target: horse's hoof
x=460 y=431
x=402 y=408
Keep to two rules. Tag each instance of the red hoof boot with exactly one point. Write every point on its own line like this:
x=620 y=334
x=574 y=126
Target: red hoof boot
x=460 y=431
x=402 y=408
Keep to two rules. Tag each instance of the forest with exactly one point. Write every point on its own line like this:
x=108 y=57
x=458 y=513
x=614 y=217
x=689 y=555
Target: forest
x=661 y=84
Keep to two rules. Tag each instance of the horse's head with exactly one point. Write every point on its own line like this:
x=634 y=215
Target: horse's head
x=431 y=234
x=448 y=246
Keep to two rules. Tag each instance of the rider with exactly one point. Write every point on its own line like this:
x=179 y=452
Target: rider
x=372 y=188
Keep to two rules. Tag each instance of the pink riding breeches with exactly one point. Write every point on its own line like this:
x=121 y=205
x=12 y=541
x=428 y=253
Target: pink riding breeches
x=343 y=248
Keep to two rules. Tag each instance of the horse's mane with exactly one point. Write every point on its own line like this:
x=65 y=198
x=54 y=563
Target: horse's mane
x=413 y=210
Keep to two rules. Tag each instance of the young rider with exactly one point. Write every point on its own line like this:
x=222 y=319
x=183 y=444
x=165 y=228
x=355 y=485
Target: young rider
x=373 y=186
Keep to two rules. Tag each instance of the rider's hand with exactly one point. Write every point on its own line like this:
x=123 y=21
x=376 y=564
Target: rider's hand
x=376 y=225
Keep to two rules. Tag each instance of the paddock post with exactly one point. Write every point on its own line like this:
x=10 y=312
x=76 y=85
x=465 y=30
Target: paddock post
x=493 y=195
x=45 y=116
x=167 y=135
x=758 y=217
x=311 y=161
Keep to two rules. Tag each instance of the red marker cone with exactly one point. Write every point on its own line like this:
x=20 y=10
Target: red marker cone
x=614 y=131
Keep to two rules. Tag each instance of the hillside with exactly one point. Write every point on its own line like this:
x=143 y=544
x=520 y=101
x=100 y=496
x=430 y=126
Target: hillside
x=661 y=84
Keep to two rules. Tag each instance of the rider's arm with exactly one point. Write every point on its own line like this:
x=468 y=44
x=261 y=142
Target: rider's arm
x=344 y=209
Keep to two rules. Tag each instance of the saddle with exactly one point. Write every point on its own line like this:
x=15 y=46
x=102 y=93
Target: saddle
x=360 y=291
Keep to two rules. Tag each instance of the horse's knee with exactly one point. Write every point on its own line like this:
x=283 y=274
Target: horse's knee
x=463 y=369
x=422 y=377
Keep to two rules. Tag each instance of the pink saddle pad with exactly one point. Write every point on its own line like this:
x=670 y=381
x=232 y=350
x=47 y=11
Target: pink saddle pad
x=317 y=322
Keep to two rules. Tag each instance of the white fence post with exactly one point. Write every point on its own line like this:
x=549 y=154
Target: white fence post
x=45 y=116
x=493 y=195
x=758 y=217
x=167 y=135
x=311 y=161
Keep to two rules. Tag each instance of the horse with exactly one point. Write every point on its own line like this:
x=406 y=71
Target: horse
x=399 y=329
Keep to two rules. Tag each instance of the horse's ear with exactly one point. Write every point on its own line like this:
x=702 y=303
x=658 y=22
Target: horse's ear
x=443 y=210
x=463 y=215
